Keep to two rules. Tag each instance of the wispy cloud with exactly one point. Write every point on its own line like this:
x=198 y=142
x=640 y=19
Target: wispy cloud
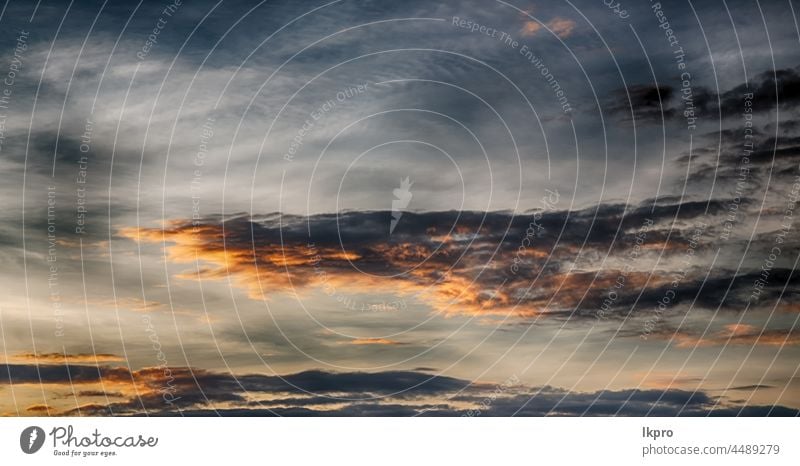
x=66 y=358
x=373 y=341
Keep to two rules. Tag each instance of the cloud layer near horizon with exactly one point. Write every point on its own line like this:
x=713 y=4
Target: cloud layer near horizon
x=188 y=391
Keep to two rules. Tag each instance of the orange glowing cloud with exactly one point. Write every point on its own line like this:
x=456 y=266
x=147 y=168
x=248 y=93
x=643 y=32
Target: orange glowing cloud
x=530 y=28
x=561 y=27
x=373 y=341
x=458 y=271
x=736 y=334
x=38 y=409
x=293 y=268
x=791 y=307
x=666 y=380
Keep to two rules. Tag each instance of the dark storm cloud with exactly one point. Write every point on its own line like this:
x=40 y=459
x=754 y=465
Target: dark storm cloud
x=649 y=103
x=770 y=89
x=57 y=374
x=766 y=149
x=99 y=393
x=783 y=151
x=723 y=290
x=643 y=103
x=403 y=383
x=597 y=225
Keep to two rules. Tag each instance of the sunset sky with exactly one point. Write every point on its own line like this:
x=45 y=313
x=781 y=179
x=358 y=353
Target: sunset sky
x=399 y=208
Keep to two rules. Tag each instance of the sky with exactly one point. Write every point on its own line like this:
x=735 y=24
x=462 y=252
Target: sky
x=374 y=208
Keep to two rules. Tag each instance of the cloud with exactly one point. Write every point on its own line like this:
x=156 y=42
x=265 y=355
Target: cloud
x=99 y=393
x=732 y=334
x=770 y=90
x=750 y=388
x=561 y=27
x=60 y=374
x=38 y=410
x=642 y=103
x=468 y=263
x=390 y=393
x=373 y=341
x=530 y=28
x=60 y=358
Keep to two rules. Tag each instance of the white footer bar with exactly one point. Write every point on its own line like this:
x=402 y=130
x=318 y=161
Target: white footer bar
x=399 y=441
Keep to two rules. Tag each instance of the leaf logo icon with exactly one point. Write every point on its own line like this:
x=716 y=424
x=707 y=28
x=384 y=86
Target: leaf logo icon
x=402 y=199
x=31 y=439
